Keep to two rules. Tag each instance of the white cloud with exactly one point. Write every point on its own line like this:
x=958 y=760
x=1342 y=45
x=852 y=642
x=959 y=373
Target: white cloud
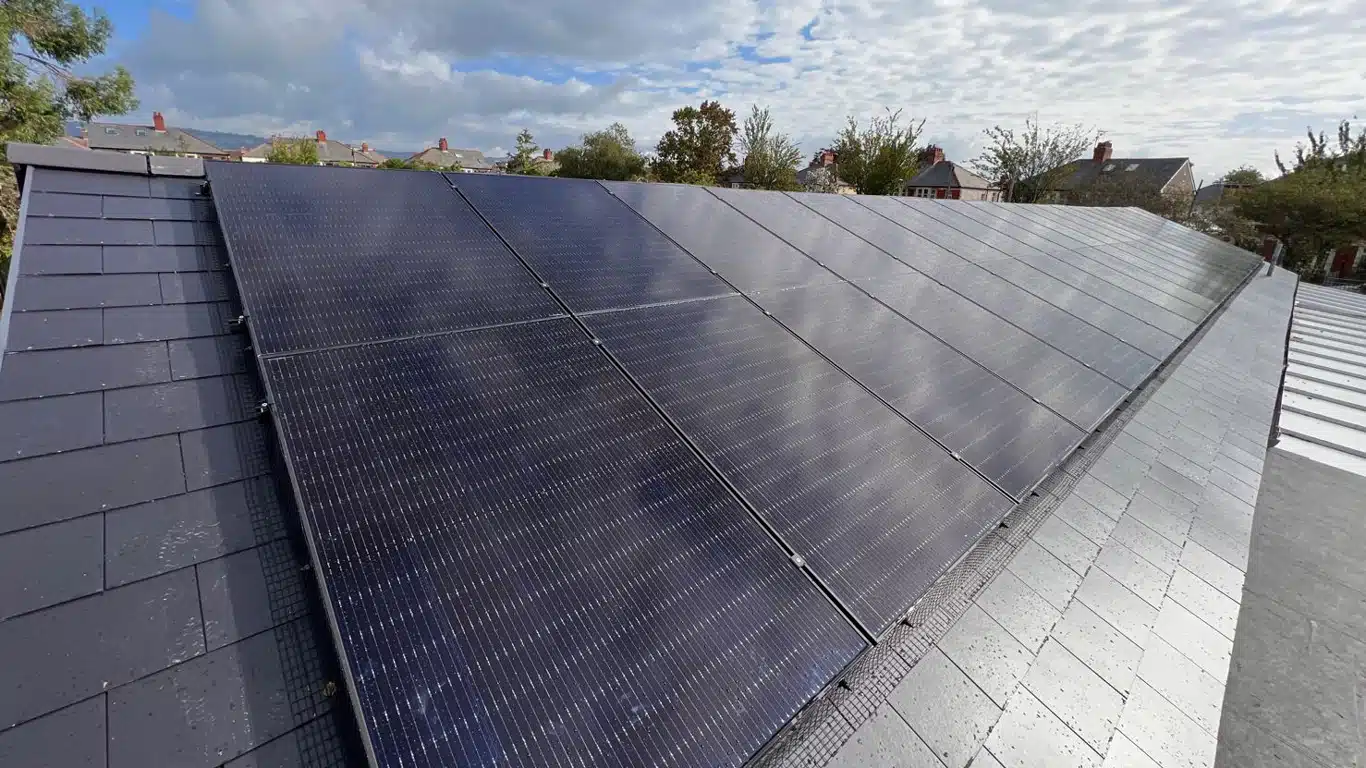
x=1223 y=82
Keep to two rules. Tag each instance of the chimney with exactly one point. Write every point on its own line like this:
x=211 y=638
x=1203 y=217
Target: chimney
x=158 y=122
x=322 y=137
x=932 y=154
x=827 y=157
x=442 y=145
x=548 y=155
x=1103 y=151
x=364 y=147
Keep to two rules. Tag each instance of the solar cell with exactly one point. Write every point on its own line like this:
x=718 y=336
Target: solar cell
x=593 y=250
x=329 y=256
x=736 y=248
x=996 y=428
x=874 y=506
x=528 y=567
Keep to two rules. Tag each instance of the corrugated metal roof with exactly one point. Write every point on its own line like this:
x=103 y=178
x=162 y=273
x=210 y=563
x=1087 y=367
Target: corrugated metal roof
x=1323 y=405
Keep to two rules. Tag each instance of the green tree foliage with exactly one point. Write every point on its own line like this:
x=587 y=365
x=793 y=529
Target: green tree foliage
x=876 y=159
x=1348 y=155
x=770 y=157
x=39 y=92
x=293 y=151
x=521 y=160
x=400 y=164
x=609 y=154
x=700 y=146
x=1245 y=174
x=1031 y=162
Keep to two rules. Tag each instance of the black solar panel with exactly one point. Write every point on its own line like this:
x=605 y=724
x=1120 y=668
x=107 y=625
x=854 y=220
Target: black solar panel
x=329 y=256
x=594 y=251
x=997 y=429
x=740 y=251
x=527 y=567
x=877 y=509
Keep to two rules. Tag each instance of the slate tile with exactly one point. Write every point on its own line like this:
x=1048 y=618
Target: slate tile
x=945 y=708
x=1076 y=694
x=1237 y=488
x=1164 y=732
x=68 y=738
x=54 y=292
x=179 y=189
x=1108 y=501
x=1144 y=434
x=87 y=369
x=1233 y=551
x=1166 y=498
x=50 y=425
x=155 y=208
x=1176 y=481
x=42 y=231
x=1146 y=543
x=1117 y=605
x=985 y=759
x=1045 y=574
x=1135 y=447
x=249 y=592
x=51 y=564
x=143 y=628
x=161 y=258
x=1169 y=525
x=171 y=533
x=1125 y=754
x=240 y=700
x=1193 y=638
x=1182 y=682
x=54 y=330
x=61 y=260
x=1251 y=461
x=1140 y=576
x=178 y=406
x=1099 y=645
x=1232 y=467
x=185 y=233
x=884 y=739
x=172 y=321
x=1212 y=570
x=1119 y=470
x=987 y=653
x=1030 y=736
x=42 y=491
x=1086 y=519
x=221 y=455
x=63 y=204
x=192 y=287
x=1066 y=543
x=80 y=182
x=1025 y=615
x=1212 y=606
x=211 y=356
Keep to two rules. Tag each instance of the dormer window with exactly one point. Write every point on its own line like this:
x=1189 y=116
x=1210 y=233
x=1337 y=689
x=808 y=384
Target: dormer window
x=141 y=131
x=111 y=131
x=1108 y=167
x=1132 y=167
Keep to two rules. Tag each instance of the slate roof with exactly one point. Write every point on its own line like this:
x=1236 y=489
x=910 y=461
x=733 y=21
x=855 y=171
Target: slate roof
x=145 y=138
x=467 y=159
x=329 y=151
x=153 y=606
x=948 y=174
x=1213 y=193
x=1155 y=171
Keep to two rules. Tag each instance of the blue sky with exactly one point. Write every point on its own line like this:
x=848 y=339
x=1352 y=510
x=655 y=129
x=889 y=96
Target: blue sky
x=1224 y=82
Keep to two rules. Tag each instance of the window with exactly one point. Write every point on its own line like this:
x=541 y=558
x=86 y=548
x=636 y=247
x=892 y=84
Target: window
x=956 y=193
x=111 y=131
x=141 y=131
x=924 y=192
x=1132 y=167
x=1108 y=167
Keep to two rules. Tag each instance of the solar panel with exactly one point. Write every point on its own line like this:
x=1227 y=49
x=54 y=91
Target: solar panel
x=740 y=251
x=527 y=567
x=997 y=429
x=1080 y=395
x=874 y=506
x=594 y=251
x=329 y=256
x=1139 y=242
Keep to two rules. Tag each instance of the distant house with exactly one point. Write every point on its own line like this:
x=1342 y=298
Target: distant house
x=945 y=180
x=330 y=152
x=546 y=163
x=442 y=156
x=1218 y=191
x=823 y=174
x=1166 y=175
x=154 y=139
x=70 y=142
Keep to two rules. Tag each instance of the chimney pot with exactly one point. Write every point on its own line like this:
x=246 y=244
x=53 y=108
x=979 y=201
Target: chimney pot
x=322 y=136
x=548 y=155
x=364 y=146
x=158 y=122
x=442 y=145
x=933 y=154
x=1103 y=151
x=827 y=157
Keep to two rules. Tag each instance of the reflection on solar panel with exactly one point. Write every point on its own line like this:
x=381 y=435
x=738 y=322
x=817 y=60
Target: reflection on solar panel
x=574 y=501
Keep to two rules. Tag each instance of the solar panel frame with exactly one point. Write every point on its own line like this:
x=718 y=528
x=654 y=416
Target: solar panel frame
x=1136 y=236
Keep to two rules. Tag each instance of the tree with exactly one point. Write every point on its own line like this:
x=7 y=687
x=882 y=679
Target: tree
x=520 y=162
x=770 y=157
x=288 y=151
x=1350 y=153
x=1033 y=161
x=39 y=91
x=399 y=164
x=875 y=160
x=700 y=146
x=1245 y=175
x=609 y=154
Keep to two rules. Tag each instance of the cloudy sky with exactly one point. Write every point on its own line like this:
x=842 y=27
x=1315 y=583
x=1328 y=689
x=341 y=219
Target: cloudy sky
x=1223 y=82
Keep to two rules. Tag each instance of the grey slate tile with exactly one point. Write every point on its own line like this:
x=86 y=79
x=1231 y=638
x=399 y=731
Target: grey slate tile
x=1231 y=550
x=61 y=259
x=1045 y=574
x=191 y=287
x=985 y=759
x=1140 y=576
x=177 y=406
x=239 y=696
x=1066 y=543
x=1242 y=491
x=40 y=490
x=54 y=330
x=87 y=369
x=1182 y=682
x=987 y=653
x=50 y=425
x=1025 y=615
x=885 y=739
x=945 y=708
x=1125 y=754
x=173 y=321
x=143 y=628
x=51 y=564
x=68 y=738
x=183 y=189
x=185 y=233
x=80 y=182
x=1117 y=605
x=1193 y=638
x=249 y=592
x=1106 y=500
x=50 y=292
x=1176 y=481
x=64 y=204
x=154 y=208
x=1166 y=498
x=1147 y=543
x=1164 y=732
x=171 y=533
x=1030 y=736
x=1212 y=606
x=223 y=454
x=161 y=258
x=1099 y=645
x=1172 y=526
x=44 y=231
x=211 y=356
x=1226 y=464
x=1086 y=519
x=1076 y=694
x=1119 y=470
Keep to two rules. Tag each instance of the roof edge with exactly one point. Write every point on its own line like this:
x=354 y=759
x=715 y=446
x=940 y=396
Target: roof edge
x=75 y=159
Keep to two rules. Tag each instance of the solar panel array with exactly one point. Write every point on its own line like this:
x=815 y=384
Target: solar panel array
x=624 y=474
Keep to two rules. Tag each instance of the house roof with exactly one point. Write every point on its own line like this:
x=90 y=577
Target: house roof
x=1212 y=193
x=147 y=556
x=804 y=176
x=946 y=173
x=145 y=138
x=468 y=159
x=1155 y=171
x=329 y=151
